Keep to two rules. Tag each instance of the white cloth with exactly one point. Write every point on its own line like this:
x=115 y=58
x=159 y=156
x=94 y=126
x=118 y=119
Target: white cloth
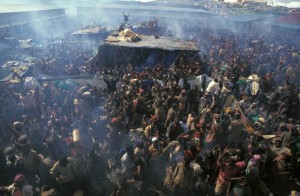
x=127 y=165
x=255 y=84
x=202 y=80
x=192 y=82
x=213 y=87
x=196 y=167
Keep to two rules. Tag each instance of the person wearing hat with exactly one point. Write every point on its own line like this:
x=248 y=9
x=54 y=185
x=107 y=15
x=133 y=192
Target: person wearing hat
x=155 y=162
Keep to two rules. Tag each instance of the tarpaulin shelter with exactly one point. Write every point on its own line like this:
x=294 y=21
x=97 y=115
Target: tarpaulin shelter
x=91 y=32
x=13 y=69
x=148 y=51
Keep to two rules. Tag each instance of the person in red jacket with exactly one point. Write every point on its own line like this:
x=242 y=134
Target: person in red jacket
x=227 y=171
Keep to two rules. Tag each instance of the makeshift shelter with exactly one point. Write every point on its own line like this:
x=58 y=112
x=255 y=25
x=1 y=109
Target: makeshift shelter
x=290 y=21
x=141 y=50
x=15 y=70
x=91 y=32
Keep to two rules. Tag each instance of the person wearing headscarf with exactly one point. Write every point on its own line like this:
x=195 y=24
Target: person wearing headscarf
x=258 y=187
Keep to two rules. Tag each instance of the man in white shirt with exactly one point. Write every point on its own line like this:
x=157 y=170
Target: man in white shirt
x=213 y=87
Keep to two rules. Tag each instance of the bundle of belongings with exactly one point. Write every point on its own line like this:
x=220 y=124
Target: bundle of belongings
x=124 y=35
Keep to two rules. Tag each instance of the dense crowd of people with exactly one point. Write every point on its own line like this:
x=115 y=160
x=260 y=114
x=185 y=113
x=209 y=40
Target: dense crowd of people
x=225 y=122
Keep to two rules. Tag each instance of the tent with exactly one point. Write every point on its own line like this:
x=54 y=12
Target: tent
x=148 y=51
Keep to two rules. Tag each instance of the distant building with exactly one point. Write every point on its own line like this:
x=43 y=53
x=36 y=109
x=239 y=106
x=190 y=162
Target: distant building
x=244 y=1
x=255 y=1
x=232 y=1
x=21 y=18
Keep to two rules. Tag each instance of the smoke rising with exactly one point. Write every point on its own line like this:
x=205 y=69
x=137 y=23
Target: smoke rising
x=286 y=3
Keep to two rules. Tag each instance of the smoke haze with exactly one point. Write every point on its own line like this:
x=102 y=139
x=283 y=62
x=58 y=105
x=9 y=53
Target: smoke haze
x=287 y=3
x=283 y=3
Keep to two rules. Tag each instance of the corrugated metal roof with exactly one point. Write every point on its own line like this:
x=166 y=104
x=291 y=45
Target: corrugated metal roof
x=150 y=8
x=288 y=21
x=13 y=8
x=286 y=25
x=291 y=18
x=248 y=17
